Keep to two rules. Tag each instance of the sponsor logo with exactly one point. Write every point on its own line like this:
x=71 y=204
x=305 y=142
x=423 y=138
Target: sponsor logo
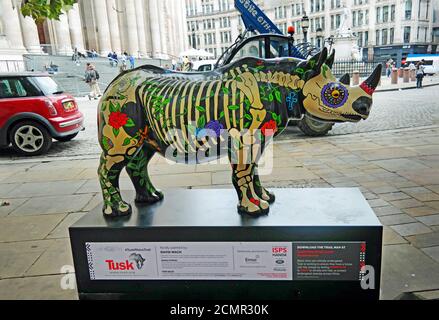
x=138 y=260
x=119 y=266
x=279 y=250
x=280 y=261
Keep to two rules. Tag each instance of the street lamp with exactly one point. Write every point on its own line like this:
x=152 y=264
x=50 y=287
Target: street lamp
x=305 y=25
x=319 y=35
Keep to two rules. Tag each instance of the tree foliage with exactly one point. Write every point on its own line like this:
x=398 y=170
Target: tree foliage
x=40 y=10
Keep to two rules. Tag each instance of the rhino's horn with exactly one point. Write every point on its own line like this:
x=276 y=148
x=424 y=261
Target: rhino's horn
x=369 y=85
x=330 y=61
x=345 y=79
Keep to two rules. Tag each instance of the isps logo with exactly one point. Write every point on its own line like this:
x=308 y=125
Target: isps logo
x=134 y=258
x=279 y=252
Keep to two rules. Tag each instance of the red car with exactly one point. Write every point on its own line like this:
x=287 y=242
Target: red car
x=33 y=110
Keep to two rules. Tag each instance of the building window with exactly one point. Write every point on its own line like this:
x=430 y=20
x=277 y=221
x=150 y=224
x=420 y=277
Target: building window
x=360 y=18
x=385 y=13
x=408 y=9
x=407 y=34
x=392 y=13
x=337 y=21
x=384 y=36
x=377 y=37
x=366 y=38
x=379 y=15
x=392 y=35
x=354 y=18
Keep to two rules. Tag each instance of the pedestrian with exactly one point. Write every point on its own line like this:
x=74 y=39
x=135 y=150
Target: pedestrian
x=92 y=77
x=419 y=74
x=389 y=67
x=132 y=61
x=123 y=66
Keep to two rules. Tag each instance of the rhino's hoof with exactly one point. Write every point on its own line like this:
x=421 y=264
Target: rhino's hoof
x=271 y=197
x=121 y=211
x=149 y=199
x=261 y=212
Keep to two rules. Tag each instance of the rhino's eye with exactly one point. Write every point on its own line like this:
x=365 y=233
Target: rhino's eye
x=334 y=95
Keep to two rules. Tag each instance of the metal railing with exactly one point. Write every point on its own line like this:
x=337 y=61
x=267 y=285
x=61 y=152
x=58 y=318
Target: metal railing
x=365 y=68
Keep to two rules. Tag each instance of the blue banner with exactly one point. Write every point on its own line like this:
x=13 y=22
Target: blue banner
x=254 y=19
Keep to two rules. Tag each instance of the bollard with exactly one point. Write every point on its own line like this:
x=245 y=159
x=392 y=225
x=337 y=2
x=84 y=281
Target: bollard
x=355 y=78
x=406 y=75
x=400 y=72
x=394 y=76
x=413 y=75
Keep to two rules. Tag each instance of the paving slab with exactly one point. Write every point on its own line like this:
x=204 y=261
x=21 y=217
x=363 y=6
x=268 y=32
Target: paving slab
x=387 y=210
x=394 y=196
x=28 y=227
x=18 y=257
x=406 y=203
x=407 y=269
x=421 y=211
x=433 y=252
x=35 y=189
x=391 y=237
x=396 y=219
x=51 y=205
x=11 y=206
x=422 y=176
x=411 y=229
x=36 y=288
x=425 y=240
x=62 y=230
x=432 y=220
x=395 y=165
x=53 y=260
x=6 y=188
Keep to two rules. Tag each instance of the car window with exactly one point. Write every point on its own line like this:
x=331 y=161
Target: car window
x=47 y=85
x=255 y=48
x=16 y=88
x=5 y=89
x=205 y=67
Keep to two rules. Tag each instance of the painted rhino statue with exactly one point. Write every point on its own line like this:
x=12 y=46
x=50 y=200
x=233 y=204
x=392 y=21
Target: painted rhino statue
x=149 y=109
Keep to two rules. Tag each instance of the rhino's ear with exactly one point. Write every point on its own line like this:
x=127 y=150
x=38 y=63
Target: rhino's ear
x=330 y=60
x=315 y=63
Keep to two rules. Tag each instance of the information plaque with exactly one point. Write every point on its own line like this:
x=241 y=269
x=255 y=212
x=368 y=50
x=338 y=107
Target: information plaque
x=313 y=245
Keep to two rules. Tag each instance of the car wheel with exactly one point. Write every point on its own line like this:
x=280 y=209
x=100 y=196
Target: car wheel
x=67 y=138
x=30 y=138
x=314 y=128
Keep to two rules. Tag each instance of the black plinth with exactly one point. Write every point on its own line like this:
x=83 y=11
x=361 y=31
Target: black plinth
x=330 y=234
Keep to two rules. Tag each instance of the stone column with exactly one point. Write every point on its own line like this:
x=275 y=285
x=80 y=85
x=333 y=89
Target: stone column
x=75 y=27
x=141 y=31
x=103 y=28
x=30 y=34
x=11 y=25
x=131 y=25
x=164 y=32
x=113 y=21
x=155 y=28
x=62 y=34
x=147 y=29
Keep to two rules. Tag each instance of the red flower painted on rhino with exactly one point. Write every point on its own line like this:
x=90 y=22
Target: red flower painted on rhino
x=117 y=119
x=269 y=128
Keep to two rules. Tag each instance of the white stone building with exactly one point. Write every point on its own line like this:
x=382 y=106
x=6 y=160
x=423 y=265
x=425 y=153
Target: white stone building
x=144 y=28
x=384 y=27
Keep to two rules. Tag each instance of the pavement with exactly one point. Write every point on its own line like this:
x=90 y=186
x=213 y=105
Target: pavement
x=394 y=160
x=386 y=84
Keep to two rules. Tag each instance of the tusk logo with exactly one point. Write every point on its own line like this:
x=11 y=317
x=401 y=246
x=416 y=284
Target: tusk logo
x=138 y=260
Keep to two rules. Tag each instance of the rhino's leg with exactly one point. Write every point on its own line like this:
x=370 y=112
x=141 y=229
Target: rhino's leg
x=137 y=169
x=109 y=172
x=260 y=190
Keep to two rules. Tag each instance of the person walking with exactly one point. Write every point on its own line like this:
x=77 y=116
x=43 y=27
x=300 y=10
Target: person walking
x=389 y=67
x=419 y=74
x=132 y=61
x=92 y=77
